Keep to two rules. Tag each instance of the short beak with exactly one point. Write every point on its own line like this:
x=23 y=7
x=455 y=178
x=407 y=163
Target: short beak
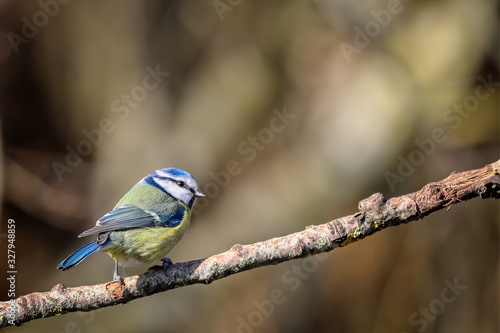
x=198 y=194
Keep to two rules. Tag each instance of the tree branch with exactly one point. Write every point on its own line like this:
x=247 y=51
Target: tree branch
x=375 y=213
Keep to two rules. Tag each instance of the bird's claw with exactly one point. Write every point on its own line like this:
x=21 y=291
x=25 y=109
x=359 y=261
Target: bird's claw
x=166 y=262
x=117 y=277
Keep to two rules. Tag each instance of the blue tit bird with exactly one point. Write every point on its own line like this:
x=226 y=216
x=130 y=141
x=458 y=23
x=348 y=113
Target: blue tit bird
x=145 y=224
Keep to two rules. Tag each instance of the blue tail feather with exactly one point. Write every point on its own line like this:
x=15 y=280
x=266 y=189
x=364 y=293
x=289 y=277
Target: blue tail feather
x=81 y=254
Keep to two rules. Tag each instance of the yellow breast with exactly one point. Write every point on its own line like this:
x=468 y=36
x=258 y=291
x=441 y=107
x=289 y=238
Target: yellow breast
x=144 y=245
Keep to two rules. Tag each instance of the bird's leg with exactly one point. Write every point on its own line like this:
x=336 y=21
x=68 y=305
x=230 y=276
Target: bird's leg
x=117 y=276
x=166 y=262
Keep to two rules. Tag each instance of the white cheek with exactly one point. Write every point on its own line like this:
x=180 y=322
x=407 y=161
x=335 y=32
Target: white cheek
x=177 y=192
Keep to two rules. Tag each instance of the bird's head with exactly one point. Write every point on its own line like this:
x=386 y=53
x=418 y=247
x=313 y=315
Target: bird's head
x=175 y=182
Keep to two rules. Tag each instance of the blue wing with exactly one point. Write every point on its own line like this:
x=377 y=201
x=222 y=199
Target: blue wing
x=130 y=216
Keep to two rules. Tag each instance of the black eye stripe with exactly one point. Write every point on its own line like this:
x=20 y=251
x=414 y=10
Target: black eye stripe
x=182 y=184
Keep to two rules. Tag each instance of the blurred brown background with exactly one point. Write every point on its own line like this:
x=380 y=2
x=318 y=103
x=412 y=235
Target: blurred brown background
x=320 y=103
